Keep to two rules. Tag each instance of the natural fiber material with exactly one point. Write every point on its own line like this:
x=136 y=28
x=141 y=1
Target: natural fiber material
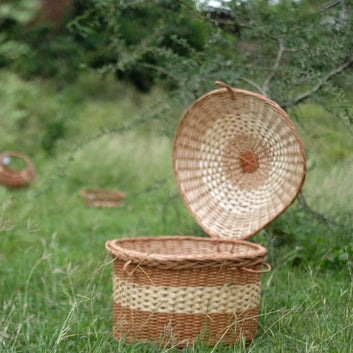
x=238 y=162
x=220 y=299
x=177 y=289
x=14 y=178
x=103 y=197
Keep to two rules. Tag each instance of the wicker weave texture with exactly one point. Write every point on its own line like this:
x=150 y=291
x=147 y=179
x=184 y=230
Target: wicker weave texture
x=103 y=197
x=238 y=162
x=179 y=289
x=14 y=178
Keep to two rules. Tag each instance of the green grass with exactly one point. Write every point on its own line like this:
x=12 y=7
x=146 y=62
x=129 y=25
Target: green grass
x=56 y=288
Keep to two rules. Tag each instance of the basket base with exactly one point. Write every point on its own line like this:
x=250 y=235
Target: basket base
x=183 y=329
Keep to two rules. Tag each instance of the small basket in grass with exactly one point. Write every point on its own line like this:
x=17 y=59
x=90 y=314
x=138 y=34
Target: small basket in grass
x=238 y=163
x=103 y=197
x=12 y=176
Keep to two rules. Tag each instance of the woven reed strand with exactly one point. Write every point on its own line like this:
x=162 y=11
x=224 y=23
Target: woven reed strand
x=164 y=289
x=226 y=195
x=14 y=178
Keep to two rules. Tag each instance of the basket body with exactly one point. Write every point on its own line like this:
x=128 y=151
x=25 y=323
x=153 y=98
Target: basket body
x=176 y=290
x=14 y=178
x=103 y=197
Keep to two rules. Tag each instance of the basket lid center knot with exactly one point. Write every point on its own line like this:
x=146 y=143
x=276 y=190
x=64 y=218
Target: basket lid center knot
x=248 y=161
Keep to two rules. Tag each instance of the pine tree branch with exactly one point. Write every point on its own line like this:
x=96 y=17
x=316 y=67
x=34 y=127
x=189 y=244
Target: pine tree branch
x=316 y=215
x=266 y=85
x=253 y=84
x=329 y=4
x=343 y=120
x=159 y=69
x=302 y=97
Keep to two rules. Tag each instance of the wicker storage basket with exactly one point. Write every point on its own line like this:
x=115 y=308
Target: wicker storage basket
x=103 y=197
x=15 y=178
x=238 y=164
x=177 y=289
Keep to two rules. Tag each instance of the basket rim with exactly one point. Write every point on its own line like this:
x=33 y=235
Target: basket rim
x=101 y=191
x=230 y=90
x=116 y=248
x=29 y=165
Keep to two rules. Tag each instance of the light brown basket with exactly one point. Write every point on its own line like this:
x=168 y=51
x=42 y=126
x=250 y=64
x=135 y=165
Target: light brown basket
x=238 y=162
x=103 y=197
x=14 y=178
x=178 y=289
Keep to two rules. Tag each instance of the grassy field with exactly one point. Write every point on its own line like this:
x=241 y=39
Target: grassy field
x=56 y=290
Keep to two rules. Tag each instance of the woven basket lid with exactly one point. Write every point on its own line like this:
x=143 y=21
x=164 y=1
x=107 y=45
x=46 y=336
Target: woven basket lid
x=238 y=162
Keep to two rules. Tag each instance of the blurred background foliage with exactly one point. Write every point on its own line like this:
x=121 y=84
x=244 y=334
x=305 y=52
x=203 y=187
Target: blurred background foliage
x=59 y=58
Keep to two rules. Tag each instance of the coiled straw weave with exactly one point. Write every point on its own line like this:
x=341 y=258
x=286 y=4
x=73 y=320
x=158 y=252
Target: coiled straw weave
x=177 y=289
x=238 y=162
x=14 y=178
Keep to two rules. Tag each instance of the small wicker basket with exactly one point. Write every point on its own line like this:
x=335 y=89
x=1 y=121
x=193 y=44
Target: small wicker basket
x=178 y=289
x=103 y=197
x=15 y=178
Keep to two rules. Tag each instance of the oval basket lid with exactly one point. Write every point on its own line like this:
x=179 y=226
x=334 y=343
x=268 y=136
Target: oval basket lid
x=238 y=162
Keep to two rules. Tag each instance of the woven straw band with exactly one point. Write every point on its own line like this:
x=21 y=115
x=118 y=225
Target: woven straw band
x=183 y=329
x=187 y=300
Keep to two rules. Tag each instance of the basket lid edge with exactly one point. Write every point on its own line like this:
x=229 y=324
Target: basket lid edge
x=222 y=90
